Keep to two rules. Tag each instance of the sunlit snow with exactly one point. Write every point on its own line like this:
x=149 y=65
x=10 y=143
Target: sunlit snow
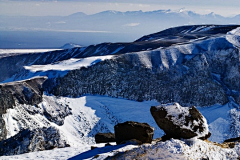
x=70 y=64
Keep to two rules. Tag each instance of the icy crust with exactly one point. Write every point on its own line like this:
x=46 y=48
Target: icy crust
x=234 y=37
x=178 y=116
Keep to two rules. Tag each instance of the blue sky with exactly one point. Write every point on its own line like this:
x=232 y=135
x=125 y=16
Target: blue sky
x=67 y=7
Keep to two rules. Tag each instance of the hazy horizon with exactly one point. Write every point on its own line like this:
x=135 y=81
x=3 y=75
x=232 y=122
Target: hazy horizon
x=57 y=28
x=67 y=7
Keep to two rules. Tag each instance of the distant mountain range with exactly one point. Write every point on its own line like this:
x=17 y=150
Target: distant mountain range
x=107 y=26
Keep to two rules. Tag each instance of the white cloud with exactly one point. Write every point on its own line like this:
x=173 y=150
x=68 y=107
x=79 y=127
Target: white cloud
x=131 y=24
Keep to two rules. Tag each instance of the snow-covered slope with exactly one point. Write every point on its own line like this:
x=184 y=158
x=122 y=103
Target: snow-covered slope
x=90 y=115
x=69 y=64
x=93 y=114
x=197 y=71
x=234 y=37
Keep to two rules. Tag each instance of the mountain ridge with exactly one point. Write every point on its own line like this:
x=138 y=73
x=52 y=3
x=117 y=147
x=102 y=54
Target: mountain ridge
x=120 y=27
x=85 y=90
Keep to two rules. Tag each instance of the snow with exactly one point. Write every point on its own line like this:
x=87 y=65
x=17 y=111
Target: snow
x=70 y=46
x=178 y=149
x=92 y=114
x=178 y=114
x=117 y=50
x=172 y=149
x=234 y=37
x=220 y=127
x=219 y=124
x=202 y=29
x=70 y=64
x=5 y=51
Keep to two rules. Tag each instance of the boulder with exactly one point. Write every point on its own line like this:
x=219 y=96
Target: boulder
x=32 y=140
x=133 y=130
x=180 y=122
x=104 y=137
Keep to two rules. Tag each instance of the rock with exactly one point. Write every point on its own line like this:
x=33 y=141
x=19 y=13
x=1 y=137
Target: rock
x=133 y=130
x=29 y=91
x=233 y=140
x=104 y=137
x=24 y=92
x=93 y=147
x=32 y=140
x=180 y=122
x=133 y=142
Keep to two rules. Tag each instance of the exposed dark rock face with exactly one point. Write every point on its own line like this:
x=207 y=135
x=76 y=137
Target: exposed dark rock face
x=133 y=130
x=180 y=122
x=6 y=102
x=23 y=92
x=32 y=140
x=54 y=111
x=105 y=137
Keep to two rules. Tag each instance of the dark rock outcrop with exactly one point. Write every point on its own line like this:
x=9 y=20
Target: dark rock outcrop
x=32 y=140
x=233 y=140
x=23 y=92
x=105 y=137
x=6 y=102
x=133 y=130
x=180 y=122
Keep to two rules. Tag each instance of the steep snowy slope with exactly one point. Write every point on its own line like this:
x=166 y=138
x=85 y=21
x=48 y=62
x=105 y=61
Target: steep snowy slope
x=15 y=64
x=197 y=71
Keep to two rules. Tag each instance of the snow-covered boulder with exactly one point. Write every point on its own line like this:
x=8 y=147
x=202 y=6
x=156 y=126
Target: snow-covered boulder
x=105 y=137
x=32 y=140
x=180 y=122
x=133 y=130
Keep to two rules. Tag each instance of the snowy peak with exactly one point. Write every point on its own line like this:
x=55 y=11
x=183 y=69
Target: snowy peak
x=70 y=46
x=234 y=37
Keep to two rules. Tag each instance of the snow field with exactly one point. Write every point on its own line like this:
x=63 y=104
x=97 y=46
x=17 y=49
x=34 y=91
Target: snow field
x=70 y=64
